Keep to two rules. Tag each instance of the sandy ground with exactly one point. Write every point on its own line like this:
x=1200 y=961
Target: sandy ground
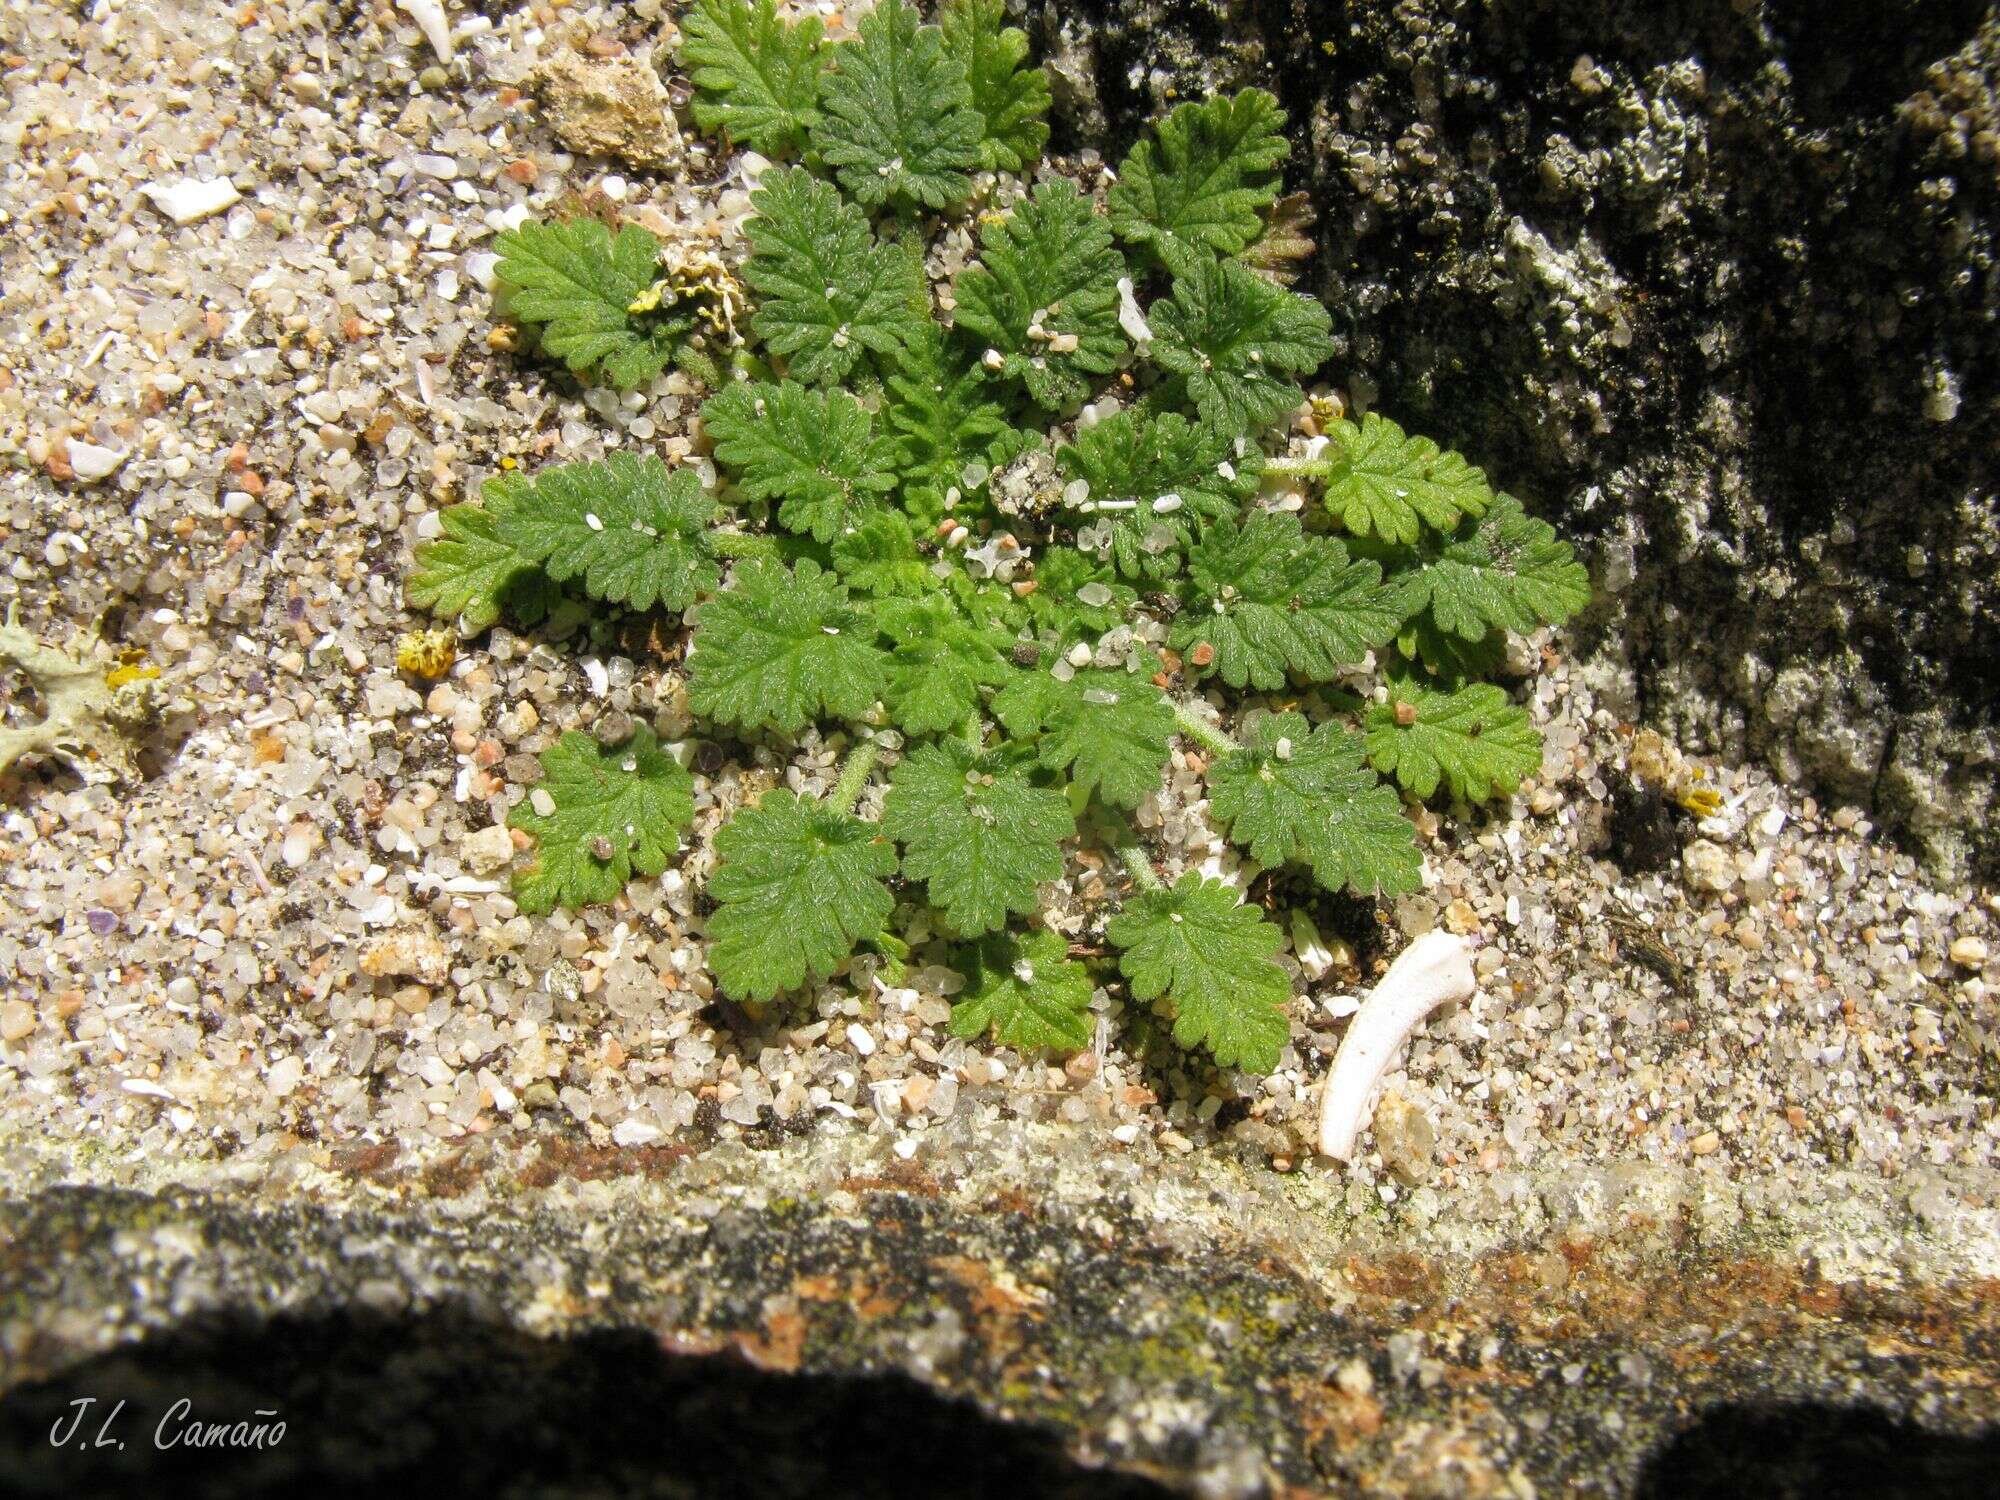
x=289 y=937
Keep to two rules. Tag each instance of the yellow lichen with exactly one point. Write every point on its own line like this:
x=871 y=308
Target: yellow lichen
x=426 y=653
x=698 y=276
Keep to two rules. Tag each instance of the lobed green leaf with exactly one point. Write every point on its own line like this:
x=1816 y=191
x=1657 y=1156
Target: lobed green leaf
x=578 y=284
x=614 y=811
x=897 y=122
x=756 y=76
x=797 y=885
x=1237 y=343
x=1043 y=301
x=977 y=832
x=1025 y=990
x=781 y=647
x=1211 y=957
x=1193 y=190
x=1299 y=795
x=634 y=531
x=814 y=452
x=1472 y=740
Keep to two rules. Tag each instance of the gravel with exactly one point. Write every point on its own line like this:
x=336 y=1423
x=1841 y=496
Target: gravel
x=296 y=930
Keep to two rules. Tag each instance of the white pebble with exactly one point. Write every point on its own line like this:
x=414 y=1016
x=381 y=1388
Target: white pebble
x=185 y=200
x=489 y=850
x=859 y=1039
x=92 y=462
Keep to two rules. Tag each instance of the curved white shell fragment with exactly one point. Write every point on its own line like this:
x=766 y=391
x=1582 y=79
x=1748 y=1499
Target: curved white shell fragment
x=1433 y=970
x=430 y=18
x=1129 y=317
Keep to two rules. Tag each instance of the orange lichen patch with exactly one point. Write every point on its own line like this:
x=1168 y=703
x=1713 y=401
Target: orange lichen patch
x=1399 y=1278
x=452 y=1176
x=1583 y=1288
x=781 y=1346
x=1330 y=1416
x=858 y=1295
x=994 y=1293
x=903 y=1177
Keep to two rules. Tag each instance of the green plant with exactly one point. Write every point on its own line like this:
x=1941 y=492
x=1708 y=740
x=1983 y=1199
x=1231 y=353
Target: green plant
x=996 y=545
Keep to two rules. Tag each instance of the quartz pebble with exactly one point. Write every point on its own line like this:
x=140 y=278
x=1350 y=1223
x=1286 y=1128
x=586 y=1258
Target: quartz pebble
x=408 y=953
x=91 y=461
x=489 y=850
x=1708 y=866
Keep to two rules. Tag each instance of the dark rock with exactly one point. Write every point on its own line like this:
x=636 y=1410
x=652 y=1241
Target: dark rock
x=1643 y=836
x=638 y=1325
x=1713 y=284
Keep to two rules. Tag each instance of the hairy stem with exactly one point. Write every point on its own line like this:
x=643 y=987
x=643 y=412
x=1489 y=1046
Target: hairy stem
x=1298 y=468
x=853 y=776
x=742 y=544
x=1138 y=865
x=1203 y=733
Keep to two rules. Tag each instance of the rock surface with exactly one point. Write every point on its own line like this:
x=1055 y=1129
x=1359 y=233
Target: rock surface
x=1647 y=1330
x=1713 y=285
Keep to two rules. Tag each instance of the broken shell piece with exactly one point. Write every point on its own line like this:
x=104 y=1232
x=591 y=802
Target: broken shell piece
x=1436 y=968
x=430 y=18
x=1129 y=317
x=186 y=200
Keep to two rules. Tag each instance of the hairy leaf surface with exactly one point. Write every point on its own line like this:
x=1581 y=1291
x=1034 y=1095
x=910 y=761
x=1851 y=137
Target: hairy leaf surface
x=615 y=811
x=797 y=885
x=1299 y=795
x=976 y=832
x=831 y=293
x=814 y=452
x=1025 y=990
x=577 y=284
x=635 y=532
x=1211 y=957
x=1472 y=740
x=1238 y=343
x=1269 y=599
x=781 y=647
x=897 y=122
x=1193 y=190
x=1111 y=731
x=1043 y=300
x=756 y=76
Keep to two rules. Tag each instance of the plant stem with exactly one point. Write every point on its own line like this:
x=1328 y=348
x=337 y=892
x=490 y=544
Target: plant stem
x=853 y=776
x=1298 y=468
x=1203 y=733
x=1138 y=865
x=742 y=544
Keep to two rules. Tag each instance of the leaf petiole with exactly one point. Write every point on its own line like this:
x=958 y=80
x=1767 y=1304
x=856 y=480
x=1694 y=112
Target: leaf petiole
x=1139 y=866
x=742 y=544
x=854 y=776
x=1210 y=737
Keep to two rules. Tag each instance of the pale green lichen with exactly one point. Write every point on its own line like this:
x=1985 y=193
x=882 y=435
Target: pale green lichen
x=92 y=705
